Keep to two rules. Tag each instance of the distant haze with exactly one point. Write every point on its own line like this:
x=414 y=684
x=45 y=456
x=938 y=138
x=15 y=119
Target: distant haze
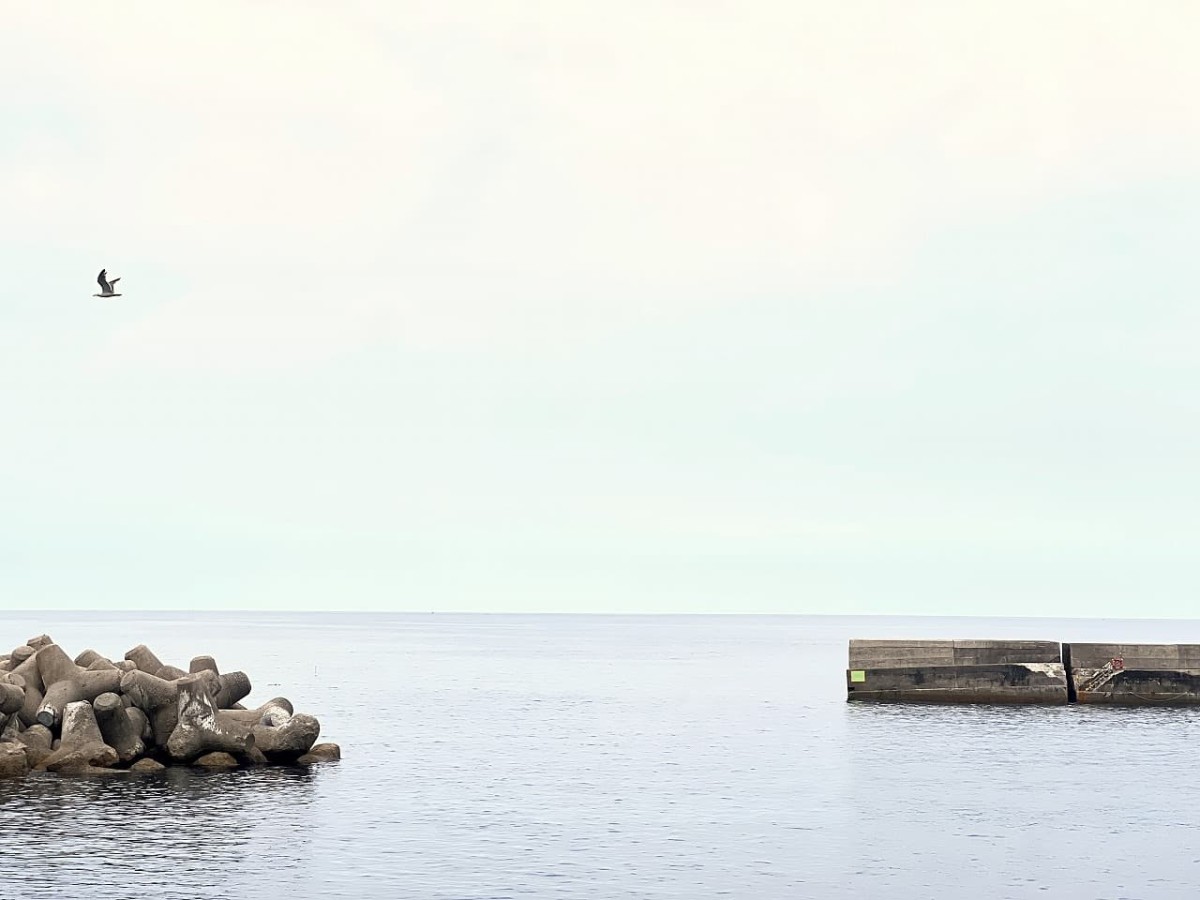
x=664 y=307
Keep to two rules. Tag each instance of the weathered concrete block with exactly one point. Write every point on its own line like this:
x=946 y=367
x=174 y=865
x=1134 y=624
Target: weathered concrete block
x=67 y=683
x=156 y=697
x=203 y=663
x=289 y=741
x=13 y=761
x=965 y=671
x=121 y=726
x=274 y=713
x=201 y=728
x=30 y=673
x=232 y=687
x=12 y=697
x=87 y=657
x=143 y=657
x=1135 y=674
x=11 y=727
x=82 y=745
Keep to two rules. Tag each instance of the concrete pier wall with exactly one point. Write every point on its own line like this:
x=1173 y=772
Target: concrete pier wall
x=966 y=671
x=1135 y=674
x=1044 y=672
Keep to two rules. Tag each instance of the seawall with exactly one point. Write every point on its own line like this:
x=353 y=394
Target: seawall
x=964 y=671
x=1136 y=674
x=1030 y=672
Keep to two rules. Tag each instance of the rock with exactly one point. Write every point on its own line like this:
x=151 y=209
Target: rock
x=216 y=761
x=147 y=765
x=80 y=759
x=321 y=753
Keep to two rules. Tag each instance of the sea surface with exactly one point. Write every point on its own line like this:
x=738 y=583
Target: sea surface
x=489 y=756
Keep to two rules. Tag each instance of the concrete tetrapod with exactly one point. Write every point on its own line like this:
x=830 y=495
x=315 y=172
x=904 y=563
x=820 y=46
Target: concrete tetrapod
x=82 y=747
x=202 y=663
x=66 y=683
x=34 y=689
x=19 y=655
x=13 y=761
x=145 y=660
x=156 y=698
x=287 y=742
x=203 y=728
x=274 y=713
x=12 y=696
x=231 y=687
x=56 y=715
x=87 y=657
x=121 y=726
x=37 y=741
x=12 y=727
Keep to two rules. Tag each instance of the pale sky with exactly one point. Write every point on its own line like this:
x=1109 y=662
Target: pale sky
x=624 y=306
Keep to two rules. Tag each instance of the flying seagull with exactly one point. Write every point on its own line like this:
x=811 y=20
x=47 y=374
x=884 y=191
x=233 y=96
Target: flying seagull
x=106 y=286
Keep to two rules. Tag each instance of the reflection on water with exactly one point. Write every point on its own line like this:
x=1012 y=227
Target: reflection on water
x=182 y=831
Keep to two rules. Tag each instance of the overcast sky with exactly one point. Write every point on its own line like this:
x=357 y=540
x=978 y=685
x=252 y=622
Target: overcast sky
x=623 y=306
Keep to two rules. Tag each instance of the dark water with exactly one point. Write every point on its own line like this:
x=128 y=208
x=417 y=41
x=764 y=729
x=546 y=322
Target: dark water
x=574 y=756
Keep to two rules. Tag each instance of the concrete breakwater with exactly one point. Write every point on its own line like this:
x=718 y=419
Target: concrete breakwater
x=94 y=715
x=1042 y=672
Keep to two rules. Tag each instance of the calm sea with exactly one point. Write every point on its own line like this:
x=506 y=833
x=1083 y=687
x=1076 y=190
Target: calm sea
x=618 y=756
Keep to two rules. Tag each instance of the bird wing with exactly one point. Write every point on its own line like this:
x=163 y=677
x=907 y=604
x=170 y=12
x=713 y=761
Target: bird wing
x=100 y=280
